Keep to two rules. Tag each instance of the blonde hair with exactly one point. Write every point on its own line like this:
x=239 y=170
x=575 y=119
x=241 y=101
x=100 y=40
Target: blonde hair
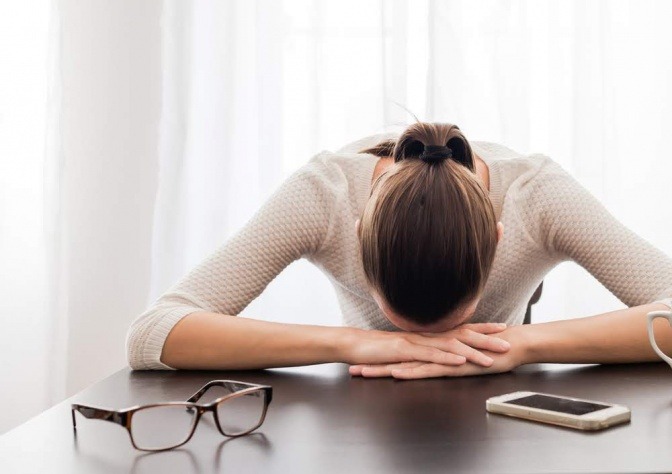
x=428 y=233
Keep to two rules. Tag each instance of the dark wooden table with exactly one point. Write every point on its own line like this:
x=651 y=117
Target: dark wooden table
x=322 y=420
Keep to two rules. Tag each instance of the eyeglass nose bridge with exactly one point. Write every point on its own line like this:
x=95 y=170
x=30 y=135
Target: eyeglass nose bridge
x=200 y=411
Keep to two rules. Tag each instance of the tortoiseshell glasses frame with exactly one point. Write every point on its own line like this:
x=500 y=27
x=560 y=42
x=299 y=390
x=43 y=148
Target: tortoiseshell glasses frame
x=124 y=417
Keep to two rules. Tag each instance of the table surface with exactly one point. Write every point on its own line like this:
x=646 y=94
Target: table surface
x=323 y=420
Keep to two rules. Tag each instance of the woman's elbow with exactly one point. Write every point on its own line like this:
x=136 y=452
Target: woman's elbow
x=147 y=335
x=142 y=341
x=134 y=348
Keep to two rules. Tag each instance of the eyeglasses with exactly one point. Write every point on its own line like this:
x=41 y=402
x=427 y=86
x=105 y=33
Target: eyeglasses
x=161 y=426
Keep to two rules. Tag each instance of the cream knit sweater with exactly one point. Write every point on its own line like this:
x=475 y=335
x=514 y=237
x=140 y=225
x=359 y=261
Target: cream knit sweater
x=548 y=217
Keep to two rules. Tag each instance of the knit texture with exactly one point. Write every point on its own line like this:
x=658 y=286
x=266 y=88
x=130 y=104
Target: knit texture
x=548 y=218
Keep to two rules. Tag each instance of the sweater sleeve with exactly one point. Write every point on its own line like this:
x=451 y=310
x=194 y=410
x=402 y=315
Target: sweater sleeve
x=575 y=226
x=291 y=224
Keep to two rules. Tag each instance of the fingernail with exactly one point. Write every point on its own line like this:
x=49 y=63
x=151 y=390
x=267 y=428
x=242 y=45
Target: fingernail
x=489 y=361
x=501 y=325
x=504 y=344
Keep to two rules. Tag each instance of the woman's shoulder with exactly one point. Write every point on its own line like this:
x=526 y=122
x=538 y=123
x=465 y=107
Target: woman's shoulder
x=517 y=178
x=338 y=180
x=492 y=151
x=515 y=166
x=341 y=177
x=339 y=167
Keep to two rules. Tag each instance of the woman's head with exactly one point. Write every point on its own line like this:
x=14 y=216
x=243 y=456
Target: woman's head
x=428 y=233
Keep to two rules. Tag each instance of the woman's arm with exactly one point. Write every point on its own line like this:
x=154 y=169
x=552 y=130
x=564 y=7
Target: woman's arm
x=203 y=340
x=574 y=225
x=577 y=227
x=291 y=224
x=616 y=337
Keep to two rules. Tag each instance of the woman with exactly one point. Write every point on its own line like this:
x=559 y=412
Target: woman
x=427 y=233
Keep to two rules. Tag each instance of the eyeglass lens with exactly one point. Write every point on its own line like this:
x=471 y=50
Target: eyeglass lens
x=241 y=414
x=166 y=426
x=162 y=427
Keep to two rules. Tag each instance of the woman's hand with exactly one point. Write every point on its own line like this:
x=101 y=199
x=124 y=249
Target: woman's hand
x=503 y=361
x=468 y=344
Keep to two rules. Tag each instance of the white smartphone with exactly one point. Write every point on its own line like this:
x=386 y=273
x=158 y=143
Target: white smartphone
x=558 y=410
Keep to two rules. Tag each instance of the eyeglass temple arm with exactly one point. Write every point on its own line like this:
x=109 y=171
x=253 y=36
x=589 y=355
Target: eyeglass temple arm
x=230 y=386
x=98 y=414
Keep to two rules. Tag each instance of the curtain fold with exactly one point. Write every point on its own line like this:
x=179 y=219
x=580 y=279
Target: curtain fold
x=25 y=220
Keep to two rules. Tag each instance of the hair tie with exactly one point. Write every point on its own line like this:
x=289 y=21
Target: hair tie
x=436 y=153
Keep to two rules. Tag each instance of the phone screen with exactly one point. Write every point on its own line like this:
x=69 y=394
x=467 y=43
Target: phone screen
x=562 y=405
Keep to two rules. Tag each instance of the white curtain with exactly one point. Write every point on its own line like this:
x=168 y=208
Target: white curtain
x=79 y=114
x=137 y=136
x=24 y=209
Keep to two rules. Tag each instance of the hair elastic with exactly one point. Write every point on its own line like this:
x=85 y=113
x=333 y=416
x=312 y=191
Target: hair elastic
x=436 y=153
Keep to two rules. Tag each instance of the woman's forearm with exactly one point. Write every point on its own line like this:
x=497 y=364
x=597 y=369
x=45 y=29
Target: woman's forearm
x=615 y=337
x=204 y=340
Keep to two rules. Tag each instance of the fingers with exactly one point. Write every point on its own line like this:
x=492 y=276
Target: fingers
x=415 y=354
x=452 y=348
x=424 y=371
x=355 y=370
x=380 y=370
x=421 y=353
x=472 y=355
x=421 y=370
x=485 y=328
x=455 y=345
x=482 y=328
x=482 y=341
x=405 y=370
